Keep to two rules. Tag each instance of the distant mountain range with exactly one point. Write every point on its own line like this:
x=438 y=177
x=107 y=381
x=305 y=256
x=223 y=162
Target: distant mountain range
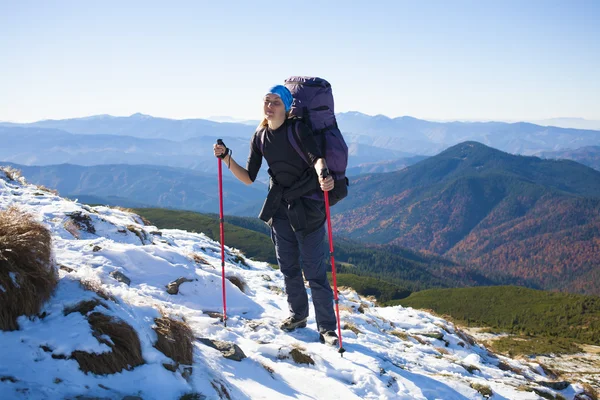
x=142 y=126
x=147 y=186
x=424 y=137
x=388 y=138
x=49 y=146
x=526 y=217
x=576 y=123
x=384 y=166
x=44 y=146
x=589 y=155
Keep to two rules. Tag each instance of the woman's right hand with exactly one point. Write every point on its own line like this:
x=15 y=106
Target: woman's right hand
x=219 y=150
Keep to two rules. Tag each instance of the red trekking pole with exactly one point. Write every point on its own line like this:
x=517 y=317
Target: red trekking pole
x=221 y=222
x=324 y=174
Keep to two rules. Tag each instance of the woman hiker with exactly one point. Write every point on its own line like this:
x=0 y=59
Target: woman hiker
x=294 y=208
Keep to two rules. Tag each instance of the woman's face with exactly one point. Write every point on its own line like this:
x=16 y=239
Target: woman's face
x=273 y=108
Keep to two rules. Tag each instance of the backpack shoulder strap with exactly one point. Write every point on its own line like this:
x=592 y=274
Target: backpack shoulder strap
x=294 y=138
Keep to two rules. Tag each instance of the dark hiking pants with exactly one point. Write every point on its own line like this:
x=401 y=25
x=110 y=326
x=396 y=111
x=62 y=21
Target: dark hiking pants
x=297 y=252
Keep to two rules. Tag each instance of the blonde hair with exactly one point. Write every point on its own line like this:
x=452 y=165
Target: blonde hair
x=264 y=123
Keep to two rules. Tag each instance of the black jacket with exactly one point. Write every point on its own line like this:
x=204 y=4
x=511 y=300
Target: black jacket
x=294 y=182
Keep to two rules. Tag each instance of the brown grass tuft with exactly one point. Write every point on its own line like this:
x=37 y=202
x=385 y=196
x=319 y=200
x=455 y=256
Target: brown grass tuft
x=174 y=339
x=238 y=282
x=590 y=392
x=484 y=390
x=400 y=335
x=98 y=289
x=45 y=189
x=13 y=174
x=442 y=350
x=27 y=276
x=352 y=328
x=126 y=350
x=420 y=339
x=221 y=390
x=84 y=307
x=198 y=259
x=301 y=358
x=465 y=337
x=138 y=232
x=270 y=370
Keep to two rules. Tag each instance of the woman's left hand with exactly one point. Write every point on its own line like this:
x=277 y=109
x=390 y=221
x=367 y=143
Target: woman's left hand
x=326 y=183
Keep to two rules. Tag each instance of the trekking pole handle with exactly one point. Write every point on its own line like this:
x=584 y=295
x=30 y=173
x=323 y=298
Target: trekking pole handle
x=220 y=143
x=325 y=173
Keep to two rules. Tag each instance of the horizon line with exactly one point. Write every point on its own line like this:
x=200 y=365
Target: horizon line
x=240 y=119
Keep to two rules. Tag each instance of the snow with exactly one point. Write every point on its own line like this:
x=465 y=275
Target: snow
x=412 y=364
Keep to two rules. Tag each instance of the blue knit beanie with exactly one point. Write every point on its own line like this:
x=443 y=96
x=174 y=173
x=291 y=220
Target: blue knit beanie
x=284 y=94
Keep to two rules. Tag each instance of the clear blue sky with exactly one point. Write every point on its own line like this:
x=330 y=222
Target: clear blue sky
x=503 y=60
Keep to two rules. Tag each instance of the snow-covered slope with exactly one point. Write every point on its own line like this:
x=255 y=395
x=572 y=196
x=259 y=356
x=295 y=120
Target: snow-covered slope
x=392 y=353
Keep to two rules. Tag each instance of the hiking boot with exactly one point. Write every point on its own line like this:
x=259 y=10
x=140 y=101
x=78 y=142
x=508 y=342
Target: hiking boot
x=291 y=323
x=329 y=337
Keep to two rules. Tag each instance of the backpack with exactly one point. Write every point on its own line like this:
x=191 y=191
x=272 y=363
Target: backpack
x=313 y=103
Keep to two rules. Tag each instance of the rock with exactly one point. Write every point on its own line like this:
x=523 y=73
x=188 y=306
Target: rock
x=120 y=277
x=170 y=367
x=187 y=373
x=230 y=351
x=267 y=278
x=96 y=248
x=64 y=268
x=214 y=314
x=83 y=221
x=173 y=287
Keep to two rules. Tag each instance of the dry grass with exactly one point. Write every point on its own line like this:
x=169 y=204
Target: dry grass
x=136 y=216
x=238 y=282
x=301 y=358
x=400 y=335
x=45 y=189
x=270 y=370
x=123 y=209
x=590 y=391
x=126 y=350
x=13 y=174
x=346 y=308
x=84 y=307
x=420 y=339
x=221 y=390
x=174 y=339
x=465 y=337
x=352 y=328
x=198 y=259
x=277 y=289
x=471 y=368
x=506 y=367
x=138 y=232
x=27 y=276
x=442 y=350
x=484 y=390
x=98 y=289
